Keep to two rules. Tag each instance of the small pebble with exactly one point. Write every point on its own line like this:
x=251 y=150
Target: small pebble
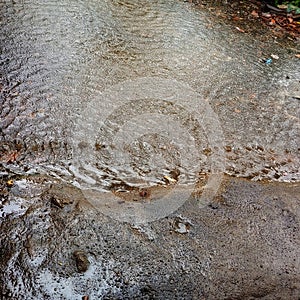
x=82 y=261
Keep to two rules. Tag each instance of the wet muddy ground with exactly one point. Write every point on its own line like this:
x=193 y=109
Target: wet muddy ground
x=148 y=150
x=243 y=245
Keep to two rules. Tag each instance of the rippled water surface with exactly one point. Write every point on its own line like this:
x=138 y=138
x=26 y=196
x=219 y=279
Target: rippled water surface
x=94 y=92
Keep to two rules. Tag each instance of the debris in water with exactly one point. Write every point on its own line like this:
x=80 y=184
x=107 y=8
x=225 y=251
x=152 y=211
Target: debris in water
x=175 y=174
x=82 y=261
x=10 y=183
x=274 y=56
x=182 y=226
x=56 y=202
x=170 y=180
x=268 y=61
x=144 y=193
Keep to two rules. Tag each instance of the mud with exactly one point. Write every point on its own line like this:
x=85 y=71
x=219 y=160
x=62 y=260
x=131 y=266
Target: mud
x=55 y=67
x=243 y=245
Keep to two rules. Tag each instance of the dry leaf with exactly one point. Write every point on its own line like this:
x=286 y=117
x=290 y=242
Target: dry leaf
x=10 y=157
x=274 y=56
x=236 y=18
x=10 y=182
x=254 y=14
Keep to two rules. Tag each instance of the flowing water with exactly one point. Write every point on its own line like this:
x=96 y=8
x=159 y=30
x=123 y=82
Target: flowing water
x=126 y=99
x=60 y=61
x=122 y=95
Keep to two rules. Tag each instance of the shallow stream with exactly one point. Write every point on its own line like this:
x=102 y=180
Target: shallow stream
x=134 y=106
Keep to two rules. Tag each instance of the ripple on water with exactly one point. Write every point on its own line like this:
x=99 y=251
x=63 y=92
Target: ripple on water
x=59 y=57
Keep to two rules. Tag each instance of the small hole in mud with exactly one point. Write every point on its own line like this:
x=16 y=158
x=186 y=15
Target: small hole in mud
x=144 y=193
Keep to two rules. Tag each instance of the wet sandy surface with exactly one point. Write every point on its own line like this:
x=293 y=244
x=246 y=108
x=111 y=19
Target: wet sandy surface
x=243 y=245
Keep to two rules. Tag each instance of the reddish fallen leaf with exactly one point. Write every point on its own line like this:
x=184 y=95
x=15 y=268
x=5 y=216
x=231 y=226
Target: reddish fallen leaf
x=272 y=22
x=236 y=18
x=10 y=157
x=254 y=14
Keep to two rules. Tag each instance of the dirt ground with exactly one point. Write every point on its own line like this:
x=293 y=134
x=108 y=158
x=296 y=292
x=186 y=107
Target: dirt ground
x=246 y=14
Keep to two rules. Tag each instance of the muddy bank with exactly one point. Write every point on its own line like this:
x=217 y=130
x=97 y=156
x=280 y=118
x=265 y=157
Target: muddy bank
x=281 y=22
x=243 y=245
x=59 y=60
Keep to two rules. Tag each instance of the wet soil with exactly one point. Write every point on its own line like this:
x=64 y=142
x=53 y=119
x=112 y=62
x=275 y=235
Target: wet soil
x=282 y=24
x=51 y=82
x=243 y=245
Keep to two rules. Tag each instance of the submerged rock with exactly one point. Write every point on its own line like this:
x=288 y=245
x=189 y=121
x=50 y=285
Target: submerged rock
x=82 y=261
